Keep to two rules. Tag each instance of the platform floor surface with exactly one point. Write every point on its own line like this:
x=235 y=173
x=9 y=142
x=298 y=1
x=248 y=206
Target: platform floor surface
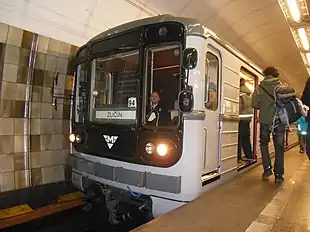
x=295 y=215
x=248 y=203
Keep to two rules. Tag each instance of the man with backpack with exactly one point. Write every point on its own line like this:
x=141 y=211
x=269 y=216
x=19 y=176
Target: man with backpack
x=275 y=115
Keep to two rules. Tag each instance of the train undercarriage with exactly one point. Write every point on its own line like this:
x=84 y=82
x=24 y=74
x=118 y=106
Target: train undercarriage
x=121 y=205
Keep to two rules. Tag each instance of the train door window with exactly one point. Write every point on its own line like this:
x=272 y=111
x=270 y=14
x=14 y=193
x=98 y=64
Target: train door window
x=247 y=126
x=162 y=86
x=211 y=82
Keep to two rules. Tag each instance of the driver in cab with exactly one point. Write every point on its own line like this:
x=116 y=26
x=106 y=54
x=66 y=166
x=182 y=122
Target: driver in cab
x=157 y=115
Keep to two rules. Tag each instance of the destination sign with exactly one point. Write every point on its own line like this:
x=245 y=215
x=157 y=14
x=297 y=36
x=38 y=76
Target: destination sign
x=127 y=115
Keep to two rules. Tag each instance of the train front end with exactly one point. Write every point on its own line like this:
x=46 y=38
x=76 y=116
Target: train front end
x=134 y=158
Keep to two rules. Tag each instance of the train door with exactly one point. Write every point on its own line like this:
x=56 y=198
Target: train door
x=212 y=102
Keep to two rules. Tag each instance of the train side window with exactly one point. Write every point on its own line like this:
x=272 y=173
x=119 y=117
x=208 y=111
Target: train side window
x=211 y=81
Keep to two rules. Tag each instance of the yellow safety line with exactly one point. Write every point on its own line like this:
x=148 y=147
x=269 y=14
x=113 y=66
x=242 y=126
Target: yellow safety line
x=22 y=209
x=70 y=197
x=15 y=211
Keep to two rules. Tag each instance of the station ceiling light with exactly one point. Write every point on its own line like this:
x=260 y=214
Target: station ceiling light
x=308 y=57
x=303 y=38
x=297 y=15
x=293 y=9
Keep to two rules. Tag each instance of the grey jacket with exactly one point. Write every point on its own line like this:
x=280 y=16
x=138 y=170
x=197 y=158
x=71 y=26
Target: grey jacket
x=245 y=104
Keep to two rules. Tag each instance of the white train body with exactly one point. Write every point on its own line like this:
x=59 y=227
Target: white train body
x=210 y=136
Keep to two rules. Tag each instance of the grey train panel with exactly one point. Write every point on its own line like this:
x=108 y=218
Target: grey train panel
x=86 y=166
x=129 y=177
x=104 y=171
x=170 y=184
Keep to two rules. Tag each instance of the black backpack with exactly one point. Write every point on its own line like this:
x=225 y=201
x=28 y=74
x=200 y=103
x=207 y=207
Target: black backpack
x=286 y=103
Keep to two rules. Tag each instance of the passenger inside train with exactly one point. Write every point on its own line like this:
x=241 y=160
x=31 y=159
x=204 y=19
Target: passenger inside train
x=245 y=115
x=247 y=126
x=212 y=96
x=211 y=85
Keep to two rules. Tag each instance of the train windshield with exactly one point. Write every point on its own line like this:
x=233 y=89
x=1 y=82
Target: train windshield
x=162 y=85
x=114 y=88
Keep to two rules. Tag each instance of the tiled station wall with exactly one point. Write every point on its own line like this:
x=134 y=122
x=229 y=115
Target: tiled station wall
x=33 y=154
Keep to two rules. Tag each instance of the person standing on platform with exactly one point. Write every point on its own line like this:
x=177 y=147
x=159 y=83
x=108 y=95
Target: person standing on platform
x=302 y=127
x=306 y=101
x=262 y=101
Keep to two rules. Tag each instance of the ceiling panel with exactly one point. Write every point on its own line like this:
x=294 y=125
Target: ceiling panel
x=255 y=20
x=240 y=9
x=197 y=7
x=217 y=4
x=230 y=34
x=263 y=30
x=103 y=16
x=165 y=6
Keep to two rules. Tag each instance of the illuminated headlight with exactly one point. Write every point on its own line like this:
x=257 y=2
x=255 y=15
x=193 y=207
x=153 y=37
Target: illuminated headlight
x=162 y=149
x=78 y=138
x=72 y=138
x=95 y=93
x=149 y=148
x=162 y=31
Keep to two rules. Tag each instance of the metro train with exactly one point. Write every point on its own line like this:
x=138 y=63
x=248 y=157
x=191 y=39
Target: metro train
x=135 y=162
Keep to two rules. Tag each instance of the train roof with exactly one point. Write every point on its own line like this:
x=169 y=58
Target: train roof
x=192 y=26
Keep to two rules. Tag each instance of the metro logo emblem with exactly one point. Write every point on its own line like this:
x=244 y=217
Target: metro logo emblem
x=110 y=140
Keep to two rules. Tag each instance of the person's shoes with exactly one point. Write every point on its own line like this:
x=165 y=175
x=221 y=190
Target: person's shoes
x=266 y=174
x=278 y=179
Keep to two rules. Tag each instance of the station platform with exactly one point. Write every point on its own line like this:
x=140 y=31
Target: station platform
x=247 y=203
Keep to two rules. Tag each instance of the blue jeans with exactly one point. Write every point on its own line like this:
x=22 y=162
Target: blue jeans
x=278 y=140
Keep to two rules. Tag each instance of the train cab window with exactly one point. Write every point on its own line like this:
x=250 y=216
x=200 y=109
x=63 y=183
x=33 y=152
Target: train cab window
x=162 y=86
x=211 y=82
x=114 y=88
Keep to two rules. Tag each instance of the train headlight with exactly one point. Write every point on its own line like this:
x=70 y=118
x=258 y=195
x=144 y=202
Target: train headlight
x=78 y=138
x=149 y=148
x=162 y=149
x=72 y=138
